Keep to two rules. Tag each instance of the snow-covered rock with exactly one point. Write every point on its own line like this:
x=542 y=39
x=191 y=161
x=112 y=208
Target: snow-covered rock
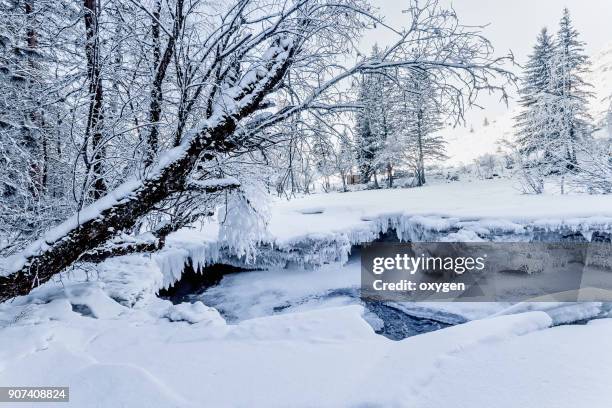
x=195 y=312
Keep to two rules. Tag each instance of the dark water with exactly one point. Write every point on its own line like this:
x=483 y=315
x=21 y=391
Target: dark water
x=194 y=282
x=400 y=325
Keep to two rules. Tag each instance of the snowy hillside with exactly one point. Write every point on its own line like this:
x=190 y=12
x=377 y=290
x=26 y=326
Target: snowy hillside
x=601 y=79
x=465 y=146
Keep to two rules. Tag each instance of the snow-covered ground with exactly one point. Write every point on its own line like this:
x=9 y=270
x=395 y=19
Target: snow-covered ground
x=437 y=206
x=321 y=228
x=300 y=337
x=162 y=355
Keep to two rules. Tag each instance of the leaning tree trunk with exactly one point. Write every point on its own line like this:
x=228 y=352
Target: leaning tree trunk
x=122 y=208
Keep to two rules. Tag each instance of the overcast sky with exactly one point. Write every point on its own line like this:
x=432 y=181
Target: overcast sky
x=514 y=25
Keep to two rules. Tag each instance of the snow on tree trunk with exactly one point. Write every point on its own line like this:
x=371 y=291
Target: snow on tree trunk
x=122 y=208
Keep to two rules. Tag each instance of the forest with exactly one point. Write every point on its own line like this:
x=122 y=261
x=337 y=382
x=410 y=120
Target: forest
x=125 y=121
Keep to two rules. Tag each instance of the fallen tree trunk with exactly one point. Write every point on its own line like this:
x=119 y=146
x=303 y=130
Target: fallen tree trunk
x=122 y=208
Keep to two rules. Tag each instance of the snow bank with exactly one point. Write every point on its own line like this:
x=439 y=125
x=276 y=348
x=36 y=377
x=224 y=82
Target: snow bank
x=561 y=312
x=323 y=228
x=327 y=357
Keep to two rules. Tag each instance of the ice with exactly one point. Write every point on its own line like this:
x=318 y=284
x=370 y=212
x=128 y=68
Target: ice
x=261 y=293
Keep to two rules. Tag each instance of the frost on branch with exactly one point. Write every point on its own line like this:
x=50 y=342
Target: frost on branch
x=243 y=222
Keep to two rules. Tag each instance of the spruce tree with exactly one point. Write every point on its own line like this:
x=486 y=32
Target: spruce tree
x=535 y=123
x=570 y=91
x=367 y=145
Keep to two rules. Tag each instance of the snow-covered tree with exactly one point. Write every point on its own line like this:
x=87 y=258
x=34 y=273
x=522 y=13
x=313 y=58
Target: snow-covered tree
x=554 y=124
x=422 y=119
x=323 y=156
x=380 y=142
x=535 y=124
x=486 y=165
x=32 y=169
x=344 y=159
x=384 y=119
x=367 y=142
x=196 y=99
x=570 y=91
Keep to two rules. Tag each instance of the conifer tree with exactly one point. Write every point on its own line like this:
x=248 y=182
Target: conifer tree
x=571 y=93
x=367 y=145
x=422 y=120
x=554 y=124
x=535 y=123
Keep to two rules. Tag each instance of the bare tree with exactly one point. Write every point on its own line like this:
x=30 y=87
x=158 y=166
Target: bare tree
x=95 y=120
x=227 y=99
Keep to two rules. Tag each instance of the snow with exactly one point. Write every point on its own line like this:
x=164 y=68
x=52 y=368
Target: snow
x=195 y=312
x=301 y=337
x=220 y=182
x=494 y=203
x=335 y=221
x=325 y=357
x=561 y=312
x=554 y=363
x=322 y=228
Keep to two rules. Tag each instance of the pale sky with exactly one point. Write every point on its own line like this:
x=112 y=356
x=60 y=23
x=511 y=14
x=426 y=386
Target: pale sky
x=514 y=25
